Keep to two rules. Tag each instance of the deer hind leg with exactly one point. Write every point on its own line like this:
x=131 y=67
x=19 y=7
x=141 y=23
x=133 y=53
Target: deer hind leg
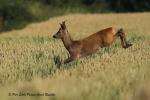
x=124 y=42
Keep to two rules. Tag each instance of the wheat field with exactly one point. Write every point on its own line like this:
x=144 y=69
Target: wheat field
x=29 y=57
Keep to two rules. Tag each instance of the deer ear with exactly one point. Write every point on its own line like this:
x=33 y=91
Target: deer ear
x=64 y=22
x=63 y=25
x=60 y=25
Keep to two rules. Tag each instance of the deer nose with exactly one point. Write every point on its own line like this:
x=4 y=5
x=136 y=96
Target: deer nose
x=54 y=36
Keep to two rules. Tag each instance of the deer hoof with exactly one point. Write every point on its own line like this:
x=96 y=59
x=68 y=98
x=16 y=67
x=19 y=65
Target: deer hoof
x=127 y=46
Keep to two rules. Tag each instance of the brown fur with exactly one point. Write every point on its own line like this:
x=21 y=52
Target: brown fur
x=91 y=44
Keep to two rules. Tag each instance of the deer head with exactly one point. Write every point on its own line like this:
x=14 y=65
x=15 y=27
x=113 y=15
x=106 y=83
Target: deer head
x=61 y=32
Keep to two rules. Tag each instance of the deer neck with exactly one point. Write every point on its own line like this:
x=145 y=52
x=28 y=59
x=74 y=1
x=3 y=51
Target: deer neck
x=67 y=41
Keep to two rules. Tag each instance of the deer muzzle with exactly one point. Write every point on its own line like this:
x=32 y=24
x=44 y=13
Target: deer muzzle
x=54 y=36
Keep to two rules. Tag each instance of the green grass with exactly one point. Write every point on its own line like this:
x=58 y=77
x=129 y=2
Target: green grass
x=30 y=62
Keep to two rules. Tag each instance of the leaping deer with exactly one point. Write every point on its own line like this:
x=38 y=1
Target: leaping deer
x=89 y=45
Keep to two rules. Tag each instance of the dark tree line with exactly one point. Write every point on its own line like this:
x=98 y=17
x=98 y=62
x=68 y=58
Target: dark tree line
x=112 y=5
x=15 y=13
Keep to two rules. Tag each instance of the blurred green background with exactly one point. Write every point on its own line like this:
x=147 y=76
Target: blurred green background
x=16 y=14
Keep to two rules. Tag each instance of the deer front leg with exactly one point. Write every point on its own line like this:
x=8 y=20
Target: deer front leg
x=72 y=56
x=68 y=60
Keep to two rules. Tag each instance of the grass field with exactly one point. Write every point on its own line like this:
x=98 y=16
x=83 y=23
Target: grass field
x=28 y=56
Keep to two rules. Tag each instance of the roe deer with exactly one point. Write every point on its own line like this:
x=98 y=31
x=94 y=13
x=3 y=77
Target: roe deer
x=89 y=45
